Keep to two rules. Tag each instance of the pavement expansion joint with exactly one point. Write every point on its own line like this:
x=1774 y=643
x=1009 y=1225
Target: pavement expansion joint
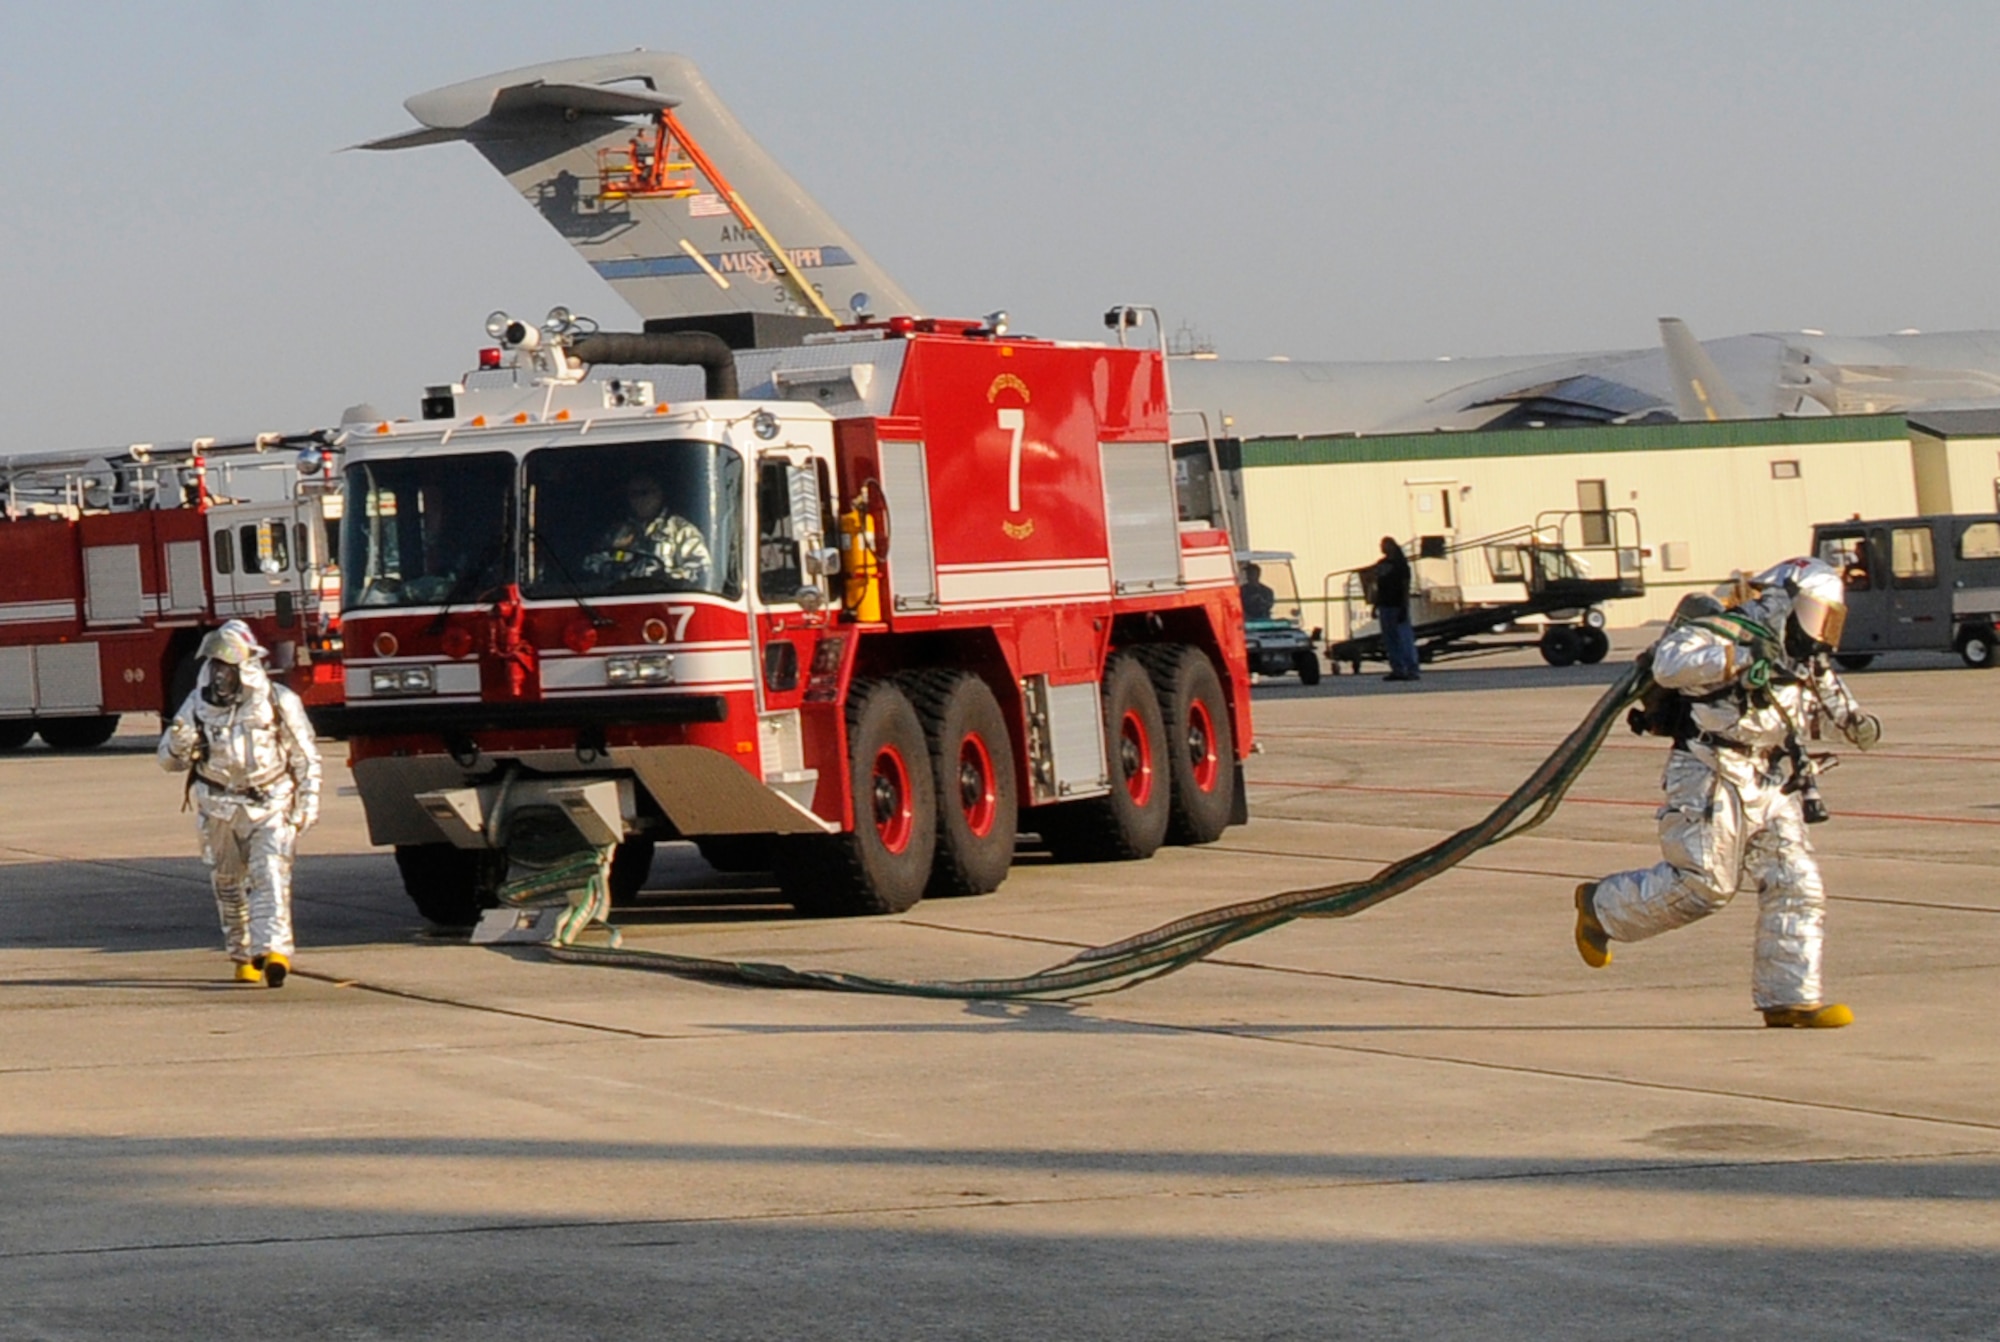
x=1671 y=1087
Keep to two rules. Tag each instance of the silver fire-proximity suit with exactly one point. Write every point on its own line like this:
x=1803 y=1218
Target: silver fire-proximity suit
x=1752 y=683
x=255 y=789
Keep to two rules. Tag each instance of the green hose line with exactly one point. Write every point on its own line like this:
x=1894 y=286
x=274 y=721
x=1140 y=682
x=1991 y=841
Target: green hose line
x=1175 y=945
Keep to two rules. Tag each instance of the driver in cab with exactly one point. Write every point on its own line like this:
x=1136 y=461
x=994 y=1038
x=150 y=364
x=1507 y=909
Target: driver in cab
x=650 y=541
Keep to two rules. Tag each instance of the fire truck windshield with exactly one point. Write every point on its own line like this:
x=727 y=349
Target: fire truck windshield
x=634 y=517
x=428 y=531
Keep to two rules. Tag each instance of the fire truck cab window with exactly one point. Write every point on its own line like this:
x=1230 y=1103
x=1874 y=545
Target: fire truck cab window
x=263 y=546
x=225 y=551
x=634 y=517
x=780 y=574
x=434 y=531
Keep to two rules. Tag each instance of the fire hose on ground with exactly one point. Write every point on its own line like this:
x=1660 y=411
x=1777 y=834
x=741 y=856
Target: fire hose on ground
x=1148 y=955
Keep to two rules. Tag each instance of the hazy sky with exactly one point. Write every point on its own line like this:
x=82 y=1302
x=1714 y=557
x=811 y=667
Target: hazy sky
x=186 y=252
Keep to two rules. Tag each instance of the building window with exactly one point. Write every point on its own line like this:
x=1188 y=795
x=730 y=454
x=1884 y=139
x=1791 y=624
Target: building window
x=1784 y=470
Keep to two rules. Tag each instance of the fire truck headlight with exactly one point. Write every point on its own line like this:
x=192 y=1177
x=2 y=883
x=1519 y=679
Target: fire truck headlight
x=403 y=680
x=644 y=668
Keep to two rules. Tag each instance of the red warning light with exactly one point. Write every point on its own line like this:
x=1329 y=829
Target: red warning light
x=902 y=326
x=580 y=636
x=489 y=358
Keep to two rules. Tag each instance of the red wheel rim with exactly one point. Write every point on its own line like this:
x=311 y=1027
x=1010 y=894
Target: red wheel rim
x=889 y=788
x=1201 y=746
x=1135 y=758
x=978 y=790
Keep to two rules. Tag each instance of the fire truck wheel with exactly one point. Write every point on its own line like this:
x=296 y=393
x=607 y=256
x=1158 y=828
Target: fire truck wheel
x=451 y=886
x=16 y=733
x=631 y=864
x=1595 y=644
x=1201 y=747
x=972 y=763
x=1130 y=821
x=78 y=733
x=883 y=864
x=738 y=852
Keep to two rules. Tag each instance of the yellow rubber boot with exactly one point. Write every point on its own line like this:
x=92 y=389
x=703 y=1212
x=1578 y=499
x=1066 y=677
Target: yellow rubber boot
x=1593 y=943
x=248 y=973
x=276 y=967
x=1829 y=1017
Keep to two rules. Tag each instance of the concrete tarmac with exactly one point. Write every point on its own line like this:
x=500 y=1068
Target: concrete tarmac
x=1429 y=1121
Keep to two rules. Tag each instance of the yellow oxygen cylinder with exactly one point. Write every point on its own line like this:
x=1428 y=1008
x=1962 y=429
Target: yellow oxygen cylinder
x=862 y=593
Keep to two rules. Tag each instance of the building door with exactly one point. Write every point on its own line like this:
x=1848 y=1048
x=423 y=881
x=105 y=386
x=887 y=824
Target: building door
x=1434 y=519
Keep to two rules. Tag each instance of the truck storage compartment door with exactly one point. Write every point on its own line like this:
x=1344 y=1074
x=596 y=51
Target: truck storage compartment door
x=186 y=594
x=906 y=489
x=1141 y=516
x=17 y=682
x=67 y=679
x=112 y=593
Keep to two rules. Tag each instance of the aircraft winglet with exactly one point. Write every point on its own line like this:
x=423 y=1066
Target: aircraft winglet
x=1699 y=389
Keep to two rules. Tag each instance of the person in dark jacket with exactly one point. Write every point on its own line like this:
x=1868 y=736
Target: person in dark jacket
x=1392 y=611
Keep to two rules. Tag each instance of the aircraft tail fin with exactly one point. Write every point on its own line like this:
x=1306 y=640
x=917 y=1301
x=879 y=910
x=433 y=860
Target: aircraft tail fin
x=637 y=163
x=1699 y=390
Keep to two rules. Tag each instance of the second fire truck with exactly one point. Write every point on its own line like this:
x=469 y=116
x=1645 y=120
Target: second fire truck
x=113 y=565
x=923 y=587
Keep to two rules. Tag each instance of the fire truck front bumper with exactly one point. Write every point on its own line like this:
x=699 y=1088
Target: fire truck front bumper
x=419 y=799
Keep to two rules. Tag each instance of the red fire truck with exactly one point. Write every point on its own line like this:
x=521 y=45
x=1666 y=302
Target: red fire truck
x=112 y=565
x=925 y=584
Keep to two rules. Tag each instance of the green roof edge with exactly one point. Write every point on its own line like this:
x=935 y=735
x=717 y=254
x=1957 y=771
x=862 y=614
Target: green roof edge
x=1447 y=445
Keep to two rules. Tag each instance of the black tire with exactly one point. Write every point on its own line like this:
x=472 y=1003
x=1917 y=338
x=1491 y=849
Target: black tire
x=1130 y=821
x=15 y=733
x=1307 y=665
x=451 y=886
x=884 y=863
x=972 y=766
x=734 y=853
x=1855 y=661
x=1560 y=645
x=1201 y=745
x=631 y=864
x=1594 y=645
x=1975 y=646
x=77 y=733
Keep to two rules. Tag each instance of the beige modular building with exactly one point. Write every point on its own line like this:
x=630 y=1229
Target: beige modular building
x=1708 y=498
x=1956 y=454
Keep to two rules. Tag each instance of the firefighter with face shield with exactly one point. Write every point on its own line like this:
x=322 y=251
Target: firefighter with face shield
x=1742 y=681
x=254 y=785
